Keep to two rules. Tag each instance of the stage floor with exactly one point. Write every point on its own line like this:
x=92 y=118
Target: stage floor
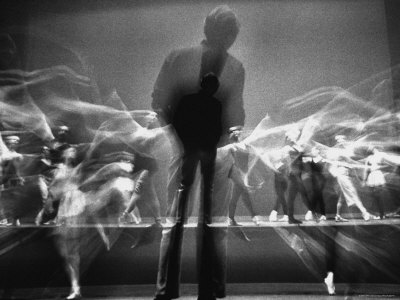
x=234 y=292
x=244 y=221
x=274 y=260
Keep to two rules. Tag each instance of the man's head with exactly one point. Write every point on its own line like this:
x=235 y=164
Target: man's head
x=221 y=27
x=209 y=84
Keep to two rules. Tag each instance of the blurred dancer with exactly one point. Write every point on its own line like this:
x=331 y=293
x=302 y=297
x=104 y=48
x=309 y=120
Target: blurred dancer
x=374 y=178
x=293 y=153
x=46 y=170
x=314 y=182
x=112 y=156
x=53 y=163
x=238 y=175
x=144 y=168
x=280 y=185
x=197 y=122
x=12 y=181
x=62 y=192
x=181 y=72
x=341 y=165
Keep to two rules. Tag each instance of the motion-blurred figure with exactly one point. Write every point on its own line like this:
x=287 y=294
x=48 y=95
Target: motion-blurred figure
x=294 y=153
x=238 y=175
x=314 y=182
x=46 y=170
x=144 y=168
x=11 y=181
x=280 y=185
x=341 y=165
x=374 y=178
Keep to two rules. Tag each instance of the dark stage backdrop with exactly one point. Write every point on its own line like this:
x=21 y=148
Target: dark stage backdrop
x=287 y=47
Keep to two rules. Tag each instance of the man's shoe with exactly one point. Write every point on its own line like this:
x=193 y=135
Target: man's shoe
x=294 y=221
x=339 y=218
x=273 y=216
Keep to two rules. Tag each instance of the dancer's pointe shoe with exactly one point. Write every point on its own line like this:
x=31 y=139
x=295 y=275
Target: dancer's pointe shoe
x=339 y=218
x=124 y=218
x=322 y=218
x=309 y=216
x=256 y=220
x=137 y=220
x=273 y=216
x=285 y=218
x=367 y=216
x=39 y=218
x=330 y=286
x=74 y=295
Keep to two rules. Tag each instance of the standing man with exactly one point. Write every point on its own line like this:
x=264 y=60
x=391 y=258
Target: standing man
x=197 y=122
x=181 y=72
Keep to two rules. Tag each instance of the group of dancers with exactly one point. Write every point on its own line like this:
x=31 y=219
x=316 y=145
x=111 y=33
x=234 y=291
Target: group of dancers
x=298 y=170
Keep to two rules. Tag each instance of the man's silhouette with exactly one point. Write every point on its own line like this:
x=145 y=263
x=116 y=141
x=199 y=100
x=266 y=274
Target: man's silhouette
x=181 y=72
x=197 y=122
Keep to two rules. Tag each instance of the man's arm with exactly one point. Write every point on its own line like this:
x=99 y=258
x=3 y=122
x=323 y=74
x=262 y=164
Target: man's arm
x=164 y=87
x=235 y=106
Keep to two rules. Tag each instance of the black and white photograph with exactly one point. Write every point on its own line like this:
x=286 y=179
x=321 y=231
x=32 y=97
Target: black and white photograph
x=199 y=150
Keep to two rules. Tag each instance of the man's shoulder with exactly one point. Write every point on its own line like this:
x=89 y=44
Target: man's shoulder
x=234 y=63
x=185 y=52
